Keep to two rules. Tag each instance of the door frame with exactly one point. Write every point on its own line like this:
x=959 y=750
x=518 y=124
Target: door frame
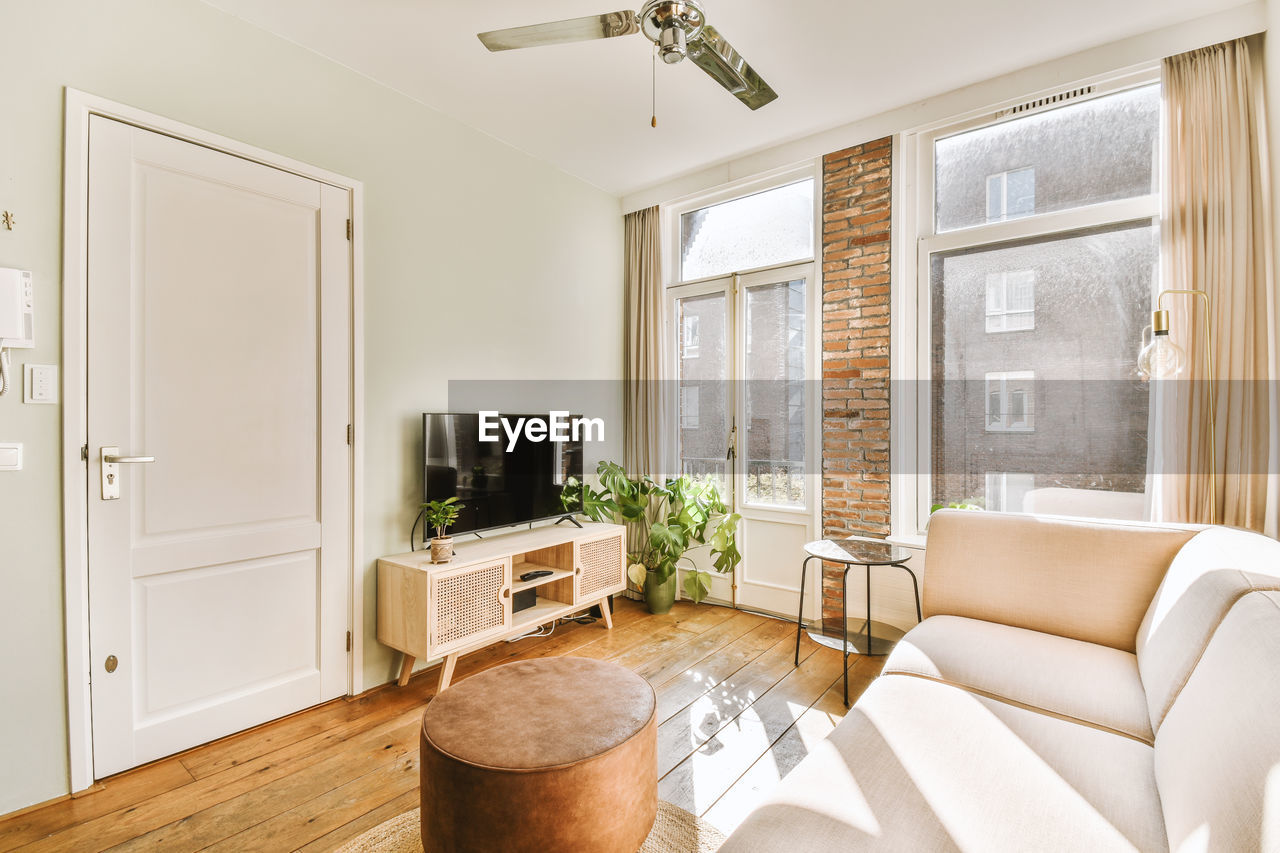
x=78 y=108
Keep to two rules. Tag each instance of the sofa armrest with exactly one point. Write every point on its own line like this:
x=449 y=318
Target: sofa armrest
x=1087 y=580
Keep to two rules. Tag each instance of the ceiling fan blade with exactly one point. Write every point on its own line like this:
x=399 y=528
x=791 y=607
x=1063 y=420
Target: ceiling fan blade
x=613 y=24
x=714 y=55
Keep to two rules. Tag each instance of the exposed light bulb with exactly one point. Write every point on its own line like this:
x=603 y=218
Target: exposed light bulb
x=1162 y=358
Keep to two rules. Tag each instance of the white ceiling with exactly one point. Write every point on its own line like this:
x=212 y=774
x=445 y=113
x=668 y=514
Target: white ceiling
x=585 y=107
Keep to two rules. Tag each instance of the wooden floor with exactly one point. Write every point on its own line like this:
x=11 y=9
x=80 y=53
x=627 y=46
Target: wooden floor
x=735 y=715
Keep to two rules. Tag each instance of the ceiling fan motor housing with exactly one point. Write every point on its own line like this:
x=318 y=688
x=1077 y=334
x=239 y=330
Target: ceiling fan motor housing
x=671 y=26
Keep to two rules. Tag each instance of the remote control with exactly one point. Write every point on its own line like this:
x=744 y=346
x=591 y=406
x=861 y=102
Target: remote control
x=540 y=573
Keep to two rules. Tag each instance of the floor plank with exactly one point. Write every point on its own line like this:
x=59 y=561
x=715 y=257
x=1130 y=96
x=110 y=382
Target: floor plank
x=719 y=757
x=753 y=786
x=735 y=714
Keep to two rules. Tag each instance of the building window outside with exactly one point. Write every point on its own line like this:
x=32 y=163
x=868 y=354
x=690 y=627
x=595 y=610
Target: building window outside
x=1011 y=301
x=1011 y=194
x=1045 y=225
x=1006 y=490
x=1010 y=398
x=689 y=406
x=690 y=343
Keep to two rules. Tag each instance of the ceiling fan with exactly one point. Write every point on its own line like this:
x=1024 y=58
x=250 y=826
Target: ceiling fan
x=679 y=29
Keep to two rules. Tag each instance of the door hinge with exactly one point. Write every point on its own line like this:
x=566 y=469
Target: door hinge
x=348 y=641
x=348 y=229
x=84 y=453
x=351 y=433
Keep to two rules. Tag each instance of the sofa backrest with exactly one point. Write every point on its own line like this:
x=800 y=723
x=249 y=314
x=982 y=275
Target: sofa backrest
x=1217 y=755
x=1085 y=580
x=1213 y=571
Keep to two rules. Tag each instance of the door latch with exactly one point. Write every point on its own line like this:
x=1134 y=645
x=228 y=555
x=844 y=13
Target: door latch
x=111 y=462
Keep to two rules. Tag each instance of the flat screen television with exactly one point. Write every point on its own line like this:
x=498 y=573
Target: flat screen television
x=501 y=483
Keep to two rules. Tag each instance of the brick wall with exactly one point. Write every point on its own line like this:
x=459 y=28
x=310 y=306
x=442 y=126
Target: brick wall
x=855 y=351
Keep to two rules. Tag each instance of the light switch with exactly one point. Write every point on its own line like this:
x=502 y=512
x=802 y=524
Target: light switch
x=41 y=383
x=10 y=457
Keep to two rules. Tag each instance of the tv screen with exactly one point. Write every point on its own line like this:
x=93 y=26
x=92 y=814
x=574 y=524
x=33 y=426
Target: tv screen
x=501 y=482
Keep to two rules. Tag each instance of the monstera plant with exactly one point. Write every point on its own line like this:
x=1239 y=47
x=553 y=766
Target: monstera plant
x=665 y=521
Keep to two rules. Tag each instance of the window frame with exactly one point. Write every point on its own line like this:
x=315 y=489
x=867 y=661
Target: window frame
x=911 y=443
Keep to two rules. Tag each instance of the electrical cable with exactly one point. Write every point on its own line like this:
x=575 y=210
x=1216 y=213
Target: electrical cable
x=4 y=369
x=413 y=531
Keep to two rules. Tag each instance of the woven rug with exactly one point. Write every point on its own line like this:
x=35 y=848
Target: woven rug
x=674 y=831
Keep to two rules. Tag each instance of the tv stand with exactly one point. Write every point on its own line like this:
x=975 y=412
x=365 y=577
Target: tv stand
x=428 y=610
x=570 y=519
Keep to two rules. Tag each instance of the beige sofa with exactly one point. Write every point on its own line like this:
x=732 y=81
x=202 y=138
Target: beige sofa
x=1075 y=686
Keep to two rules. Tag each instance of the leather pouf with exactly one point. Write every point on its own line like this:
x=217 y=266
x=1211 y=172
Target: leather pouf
x=540 y=755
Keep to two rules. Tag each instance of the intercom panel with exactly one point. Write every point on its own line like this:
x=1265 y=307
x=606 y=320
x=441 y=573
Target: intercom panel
x=17 y=310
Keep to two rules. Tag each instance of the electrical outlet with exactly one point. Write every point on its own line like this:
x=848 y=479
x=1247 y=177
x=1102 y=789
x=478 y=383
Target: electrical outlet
x=40 y=383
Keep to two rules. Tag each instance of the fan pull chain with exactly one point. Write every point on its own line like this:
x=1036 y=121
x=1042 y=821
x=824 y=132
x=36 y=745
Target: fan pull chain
x=654 y=121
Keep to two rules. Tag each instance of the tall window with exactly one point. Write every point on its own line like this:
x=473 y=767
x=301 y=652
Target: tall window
x=742 y=307
x=1038 y=236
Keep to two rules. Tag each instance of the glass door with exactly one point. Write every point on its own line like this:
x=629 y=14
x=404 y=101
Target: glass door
x=743 y=348
x=775 y=440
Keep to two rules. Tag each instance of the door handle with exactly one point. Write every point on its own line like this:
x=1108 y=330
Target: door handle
x=111 y=462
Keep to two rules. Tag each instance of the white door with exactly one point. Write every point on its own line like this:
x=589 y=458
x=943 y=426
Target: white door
x=744 y=353
x=219 y=345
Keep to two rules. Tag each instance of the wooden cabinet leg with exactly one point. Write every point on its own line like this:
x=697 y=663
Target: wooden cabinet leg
x=604 y=611
x=446 y=672
x=406 y=670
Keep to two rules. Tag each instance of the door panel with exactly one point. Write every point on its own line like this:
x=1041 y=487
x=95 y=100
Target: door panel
x=255 y=311
x=774 y=438
x=275 y=637
x=219 y=328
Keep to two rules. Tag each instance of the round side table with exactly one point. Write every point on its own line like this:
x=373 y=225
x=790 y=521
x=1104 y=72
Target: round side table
x=850 y=553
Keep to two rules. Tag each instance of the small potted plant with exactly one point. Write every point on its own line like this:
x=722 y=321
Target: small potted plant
x=441 y=515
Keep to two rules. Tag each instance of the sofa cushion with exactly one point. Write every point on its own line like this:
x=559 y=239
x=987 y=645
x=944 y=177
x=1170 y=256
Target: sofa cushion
x=1209 y=575
x=1217 y=754
x=1084 y=682
x=1090 y=581
x=921 y=765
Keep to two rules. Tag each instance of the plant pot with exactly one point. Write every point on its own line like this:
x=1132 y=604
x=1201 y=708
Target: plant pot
x=659 y=595
x=442 y=549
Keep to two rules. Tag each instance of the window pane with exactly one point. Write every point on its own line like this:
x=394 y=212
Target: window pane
x=1082 y=153
x=771 y=227
x=704 y=429
x=775 y=371
x=1057 y=402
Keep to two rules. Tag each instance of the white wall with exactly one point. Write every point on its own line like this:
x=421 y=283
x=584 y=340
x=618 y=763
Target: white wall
x=480 y=263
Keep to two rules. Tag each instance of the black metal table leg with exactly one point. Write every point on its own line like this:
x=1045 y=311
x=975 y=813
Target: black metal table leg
x=804 y=569
x=915 y=585
x=844 y=623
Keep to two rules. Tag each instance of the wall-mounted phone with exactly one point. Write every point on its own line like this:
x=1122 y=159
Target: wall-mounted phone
x=17 y=318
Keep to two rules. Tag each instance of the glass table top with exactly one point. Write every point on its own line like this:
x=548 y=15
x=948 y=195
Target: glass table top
x=860 y=552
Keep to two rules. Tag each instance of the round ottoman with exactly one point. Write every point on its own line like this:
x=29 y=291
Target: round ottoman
x=540 y=755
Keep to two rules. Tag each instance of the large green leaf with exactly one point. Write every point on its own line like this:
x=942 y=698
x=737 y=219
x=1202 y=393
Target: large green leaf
x=670 y=539
x=697 y=585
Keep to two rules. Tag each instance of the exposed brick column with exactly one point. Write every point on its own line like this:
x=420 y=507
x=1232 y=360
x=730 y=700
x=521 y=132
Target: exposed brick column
x=856 y=198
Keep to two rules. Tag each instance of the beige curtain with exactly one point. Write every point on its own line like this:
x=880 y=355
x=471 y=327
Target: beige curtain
x=642 y=398
x=1217 y=238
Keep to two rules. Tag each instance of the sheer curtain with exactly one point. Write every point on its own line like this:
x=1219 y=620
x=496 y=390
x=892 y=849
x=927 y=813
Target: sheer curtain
x=1217 y=238
x=643 y=404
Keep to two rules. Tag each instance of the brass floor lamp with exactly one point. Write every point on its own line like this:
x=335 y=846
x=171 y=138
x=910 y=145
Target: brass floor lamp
x=1163 y=359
